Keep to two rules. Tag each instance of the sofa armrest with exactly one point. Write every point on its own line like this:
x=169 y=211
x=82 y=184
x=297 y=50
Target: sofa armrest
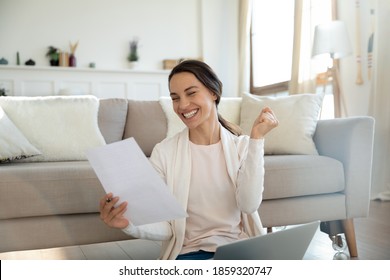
x=350 y=140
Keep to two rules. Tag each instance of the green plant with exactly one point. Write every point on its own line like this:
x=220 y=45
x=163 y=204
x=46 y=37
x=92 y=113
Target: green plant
x=53 y=53
x=3 y=92
x=133 y=56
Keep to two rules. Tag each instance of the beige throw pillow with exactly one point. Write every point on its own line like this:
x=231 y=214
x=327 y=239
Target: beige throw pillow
x=297 y=115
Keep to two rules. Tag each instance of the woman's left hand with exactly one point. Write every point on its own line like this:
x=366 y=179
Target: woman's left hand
x=264 y=123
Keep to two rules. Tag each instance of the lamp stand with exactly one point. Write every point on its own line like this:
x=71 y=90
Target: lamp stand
x=336 y=88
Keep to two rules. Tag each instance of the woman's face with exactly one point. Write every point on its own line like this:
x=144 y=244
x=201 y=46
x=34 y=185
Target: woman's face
x=192 y=101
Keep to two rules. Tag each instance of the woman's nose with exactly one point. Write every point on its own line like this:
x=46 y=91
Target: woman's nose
x=183 y=103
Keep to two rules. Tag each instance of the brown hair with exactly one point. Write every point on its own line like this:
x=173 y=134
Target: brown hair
x=210 y=80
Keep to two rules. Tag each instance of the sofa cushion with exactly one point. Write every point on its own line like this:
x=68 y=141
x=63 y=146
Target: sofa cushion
x=13 y=144
x=146 y=122
x=112 y=118
x=301 y=175
x=297 y=114
x=48 y=188
x=60 y=127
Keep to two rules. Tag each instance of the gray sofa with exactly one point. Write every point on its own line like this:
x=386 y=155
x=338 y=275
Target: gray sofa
x=52 y=204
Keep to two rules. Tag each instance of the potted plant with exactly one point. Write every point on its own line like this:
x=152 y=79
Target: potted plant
x=3 y=92
x=133 y=55
x=53 y=55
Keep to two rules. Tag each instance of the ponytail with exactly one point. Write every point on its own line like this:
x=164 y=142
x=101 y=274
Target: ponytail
x=231 y=127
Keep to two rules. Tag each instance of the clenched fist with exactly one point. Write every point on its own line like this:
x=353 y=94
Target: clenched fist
x=264 y=123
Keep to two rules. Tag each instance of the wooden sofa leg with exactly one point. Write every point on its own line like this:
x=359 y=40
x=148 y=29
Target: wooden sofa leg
x=349 y=231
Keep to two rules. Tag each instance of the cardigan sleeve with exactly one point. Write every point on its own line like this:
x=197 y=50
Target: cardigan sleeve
x=250 y=178
x=157 y=231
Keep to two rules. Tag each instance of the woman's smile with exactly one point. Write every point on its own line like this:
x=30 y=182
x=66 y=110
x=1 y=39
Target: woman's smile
x=190 y=114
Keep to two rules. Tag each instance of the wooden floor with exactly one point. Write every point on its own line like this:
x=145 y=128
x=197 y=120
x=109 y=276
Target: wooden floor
x=372 y=234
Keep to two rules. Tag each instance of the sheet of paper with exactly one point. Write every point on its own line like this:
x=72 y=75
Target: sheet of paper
x=124 y=170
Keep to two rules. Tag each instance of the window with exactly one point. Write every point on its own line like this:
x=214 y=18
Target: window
x=272 y=36
x=271 y=45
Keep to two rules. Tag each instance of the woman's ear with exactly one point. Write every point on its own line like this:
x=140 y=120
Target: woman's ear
x=214 y=95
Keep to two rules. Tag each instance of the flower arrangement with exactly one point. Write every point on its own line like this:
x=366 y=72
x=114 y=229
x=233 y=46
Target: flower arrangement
x=73 y=47
x=133 y=56
x=72 y=57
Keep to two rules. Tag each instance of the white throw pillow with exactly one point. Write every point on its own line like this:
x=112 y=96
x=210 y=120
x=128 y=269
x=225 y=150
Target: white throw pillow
x=61 y=127
x=175 y=124
x=13 y=144
x=229 y=108
x=297 y=115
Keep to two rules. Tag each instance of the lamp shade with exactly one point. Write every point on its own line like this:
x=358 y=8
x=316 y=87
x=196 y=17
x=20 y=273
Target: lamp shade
x=331 y=38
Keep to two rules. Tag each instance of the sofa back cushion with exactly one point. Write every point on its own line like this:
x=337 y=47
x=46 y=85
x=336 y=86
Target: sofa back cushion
x=112 y=118
x=146 y=122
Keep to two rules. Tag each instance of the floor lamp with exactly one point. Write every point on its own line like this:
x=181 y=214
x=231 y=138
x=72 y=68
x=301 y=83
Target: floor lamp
x=332 y=38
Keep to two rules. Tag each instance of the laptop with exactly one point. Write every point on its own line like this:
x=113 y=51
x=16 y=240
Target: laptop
x=288 y=244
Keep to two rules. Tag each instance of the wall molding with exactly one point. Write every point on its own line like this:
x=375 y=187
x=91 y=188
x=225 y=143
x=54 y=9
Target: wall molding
x=104 y=83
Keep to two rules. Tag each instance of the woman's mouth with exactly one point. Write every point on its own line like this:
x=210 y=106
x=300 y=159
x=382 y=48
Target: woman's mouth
x=190 y=114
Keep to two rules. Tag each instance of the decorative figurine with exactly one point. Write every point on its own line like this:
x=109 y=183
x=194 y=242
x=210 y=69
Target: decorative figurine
x=30 y=62
x=3 y=61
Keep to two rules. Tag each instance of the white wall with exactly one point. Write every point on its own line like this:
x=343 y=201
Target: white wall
x=166 y=29
x=220 y=41
x=371 y=97
x=356 y=96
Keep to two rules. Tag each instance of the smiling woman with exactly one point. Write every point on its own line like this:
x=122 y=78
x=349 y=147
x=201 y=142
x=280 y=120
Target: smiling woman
x=205 y=161
x=199 y=78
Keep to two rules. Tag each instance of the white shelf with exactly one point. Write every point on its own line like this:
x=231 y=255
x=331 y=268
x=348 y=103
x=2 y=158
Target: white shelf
x=141 y=84
x=82 y=69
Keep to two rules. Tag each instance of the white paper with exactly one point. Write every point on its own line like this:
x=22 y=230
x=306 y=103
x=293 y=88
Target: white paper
x=124 y=170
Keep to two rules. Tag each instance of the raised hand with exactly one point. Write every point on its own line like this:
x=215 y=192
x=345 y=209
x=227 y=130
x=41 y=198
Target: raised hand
x=264 y=123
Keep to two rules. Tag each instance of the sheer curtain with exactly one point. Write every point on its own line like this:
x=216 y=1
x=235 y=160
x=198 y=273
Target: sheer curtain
x=302 y=73
x=308 y=14
x=380 y=103
x=245 y=18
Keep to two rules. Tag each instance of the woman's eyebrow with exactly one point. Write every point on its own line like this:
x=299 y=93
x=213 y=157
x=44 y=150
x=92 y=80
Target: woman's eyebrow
x=191 y=87
x=187 y=89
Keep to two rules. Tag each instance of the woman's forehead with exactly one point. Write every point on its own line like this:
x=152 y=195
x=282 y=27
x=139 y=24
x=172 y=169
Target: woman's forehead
x=182 y=81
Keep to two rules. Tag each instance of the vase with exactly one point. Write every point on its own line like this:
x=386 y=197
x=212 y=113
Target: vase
x=64 y=59
x=53 y=62
x=72 y=60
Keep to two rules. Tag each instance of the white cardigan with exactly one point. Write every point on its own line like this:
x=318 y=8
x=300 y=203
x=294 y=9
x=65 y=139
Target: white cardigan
x=172 y=160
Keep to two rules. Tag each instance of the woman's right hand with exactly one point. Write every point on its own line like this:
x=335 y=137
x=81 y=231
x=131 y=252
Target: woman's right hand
x=111 y=215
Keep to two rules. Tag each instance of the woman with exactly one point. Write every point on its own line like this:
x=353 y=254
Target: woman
x=213 y=171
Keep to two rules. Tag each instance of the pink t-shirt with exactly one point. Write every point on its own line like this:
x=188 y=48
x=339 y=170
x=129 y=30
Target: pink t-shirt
x=214 y=218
